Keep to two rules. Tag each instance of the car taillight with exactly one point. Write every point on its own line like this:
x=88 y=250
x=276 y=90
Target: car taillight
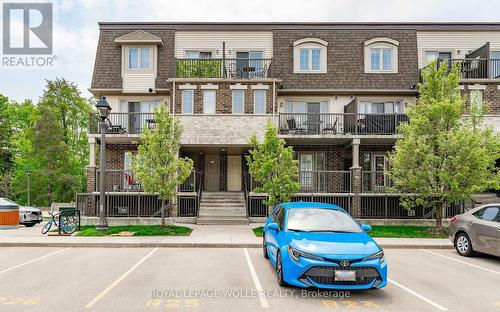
x=453 y=220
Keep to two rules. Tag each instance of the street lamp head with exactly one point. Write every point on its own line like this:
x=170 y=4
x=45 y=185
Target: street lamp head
x=103 y=108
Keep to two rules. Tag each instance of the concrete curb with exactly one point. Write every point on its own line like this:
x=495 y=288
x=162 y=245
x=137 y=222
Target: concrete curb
x=188 y=245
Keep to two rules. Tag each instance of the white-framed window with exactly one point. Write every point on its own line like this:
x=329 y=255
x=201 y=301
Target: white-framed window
x=140 y=58
x=380 y=107
x=238 y=102
x=187 y=101
x=209 y=97
x=476 y=98
x=310 y=55
x=381 y=55
x=259 y=101
x=198 y=54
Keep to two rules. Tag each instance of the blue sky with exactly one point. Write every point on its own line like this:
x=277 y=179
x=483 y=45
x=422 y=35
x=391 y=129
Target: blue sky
x=76 y=29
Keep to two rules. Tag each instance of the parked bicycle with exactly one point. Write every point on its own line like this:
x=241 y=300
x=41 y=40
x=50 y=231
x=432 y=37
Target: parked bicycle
x=67 y=223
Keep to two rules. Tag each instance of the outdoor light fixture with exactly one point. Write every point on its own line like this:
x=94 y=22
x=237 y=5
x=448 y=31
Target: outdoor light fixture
x=103 y=108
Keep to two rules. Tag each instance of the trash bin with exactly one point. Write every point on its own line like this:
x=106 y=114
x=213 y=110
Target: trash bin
x=9 y=214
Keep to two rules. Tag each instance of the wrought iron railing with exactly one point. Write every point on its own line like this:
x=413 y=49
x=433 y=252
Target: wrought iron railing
x=325 y=181
x=118 y=181
x=375 y=181
x=476 y=68
x=240 y=68
x=122 y=123
x=340 y=123
x=120 y=205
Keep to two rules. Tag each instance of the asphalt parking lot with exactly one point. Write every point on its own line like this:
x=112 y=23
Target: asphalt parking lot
x=229 y=279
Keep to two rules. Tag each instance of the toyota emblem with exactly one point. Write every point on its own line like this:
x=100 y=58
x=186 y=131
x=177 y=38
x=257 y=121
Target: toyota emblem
x=344 y=263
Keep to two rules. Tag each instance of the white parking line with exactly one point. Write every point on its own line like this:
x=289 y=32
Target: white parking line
x=121 y=278
x=429 y=301
x=34 y=260
x=460 y=261
x=262 y=298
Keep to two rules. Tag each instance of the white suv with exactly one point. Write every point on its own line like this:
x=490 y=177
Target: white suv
x=29 y=216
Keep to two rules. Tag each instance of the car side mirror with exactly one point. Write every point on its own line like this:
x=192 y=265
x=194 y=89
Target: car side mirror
x=366 y=227
x=273 y=226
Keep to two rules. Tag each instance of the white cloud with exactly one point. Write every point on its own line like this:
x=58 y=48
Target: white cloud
x=76 y=30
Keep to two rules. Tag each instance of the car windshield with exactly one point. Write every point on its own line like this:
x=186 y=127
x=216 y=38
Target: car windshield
x=320 y=220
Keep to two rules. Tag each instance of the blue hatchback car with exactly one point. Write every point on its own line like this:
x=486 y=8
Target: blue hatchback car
x=321 y=245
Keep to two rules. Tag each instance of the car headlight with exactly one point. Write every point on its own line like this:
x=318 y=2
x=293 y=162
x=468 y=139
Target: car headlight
x=378 y=255
x=296 y=254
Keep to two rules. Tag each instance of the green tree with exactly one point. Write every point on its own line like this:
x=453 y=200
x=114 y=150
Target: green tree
x=52 y=178
x=5 y=136
x=72 y=113
x=443 y=156
x=272 y=165
x=157 y=164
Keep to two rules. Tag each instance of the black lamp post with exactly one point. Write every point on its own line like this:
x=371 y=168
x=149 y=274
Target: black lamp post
x=104 y=109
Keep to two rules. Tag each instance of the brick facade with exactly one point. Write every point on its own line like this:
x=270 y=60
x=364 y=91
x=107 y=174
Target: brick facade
x=491 y=96
x=345 y=60
x=224 y=98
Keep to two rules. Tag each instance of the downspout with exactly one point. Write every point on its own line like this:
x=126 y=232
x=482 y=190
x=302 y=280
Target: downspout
x=274 y=101
x=173 y=98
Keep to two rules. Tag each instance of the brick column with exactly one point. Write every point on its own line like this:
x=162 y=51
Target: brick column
x=356 y=185
x=174 y=210
x=223 y=172
x=91 y=178
x=356 y=188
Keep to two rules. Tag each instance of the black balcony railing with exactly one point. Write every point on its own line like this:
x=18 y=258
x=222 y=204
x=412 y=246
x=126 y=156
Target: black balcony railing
x=339 y=123
x=315 y=182
x=375 y=181
x=241 y=68
x=475 y=68
x=125 y=181
x=122 y=123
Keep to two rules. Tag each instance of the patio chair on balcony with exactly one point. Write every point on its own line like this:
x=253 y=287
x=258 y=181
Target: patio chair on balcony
x=292 y=126
x=331 y=128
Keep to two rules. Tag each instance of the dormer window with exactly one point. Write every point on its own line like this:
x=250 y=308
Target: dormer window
x=381 y=55
x=309 y=55
x=140 y=58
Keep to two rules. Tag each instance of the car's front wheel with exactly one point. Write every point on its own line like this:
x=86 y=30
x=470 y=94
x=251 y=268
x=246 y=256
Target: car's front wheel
x=279 y=270
x=463 y=244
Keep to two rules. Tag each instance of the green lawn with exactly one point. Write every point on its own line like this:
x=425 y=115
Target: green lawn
x=136 y=230
x=398 y=231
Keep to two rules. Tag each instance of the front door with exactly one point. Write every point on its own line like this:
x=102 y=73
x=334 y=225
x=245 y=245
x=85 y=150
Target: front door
x=313 y=120
x=234 y=172
x=212 y=172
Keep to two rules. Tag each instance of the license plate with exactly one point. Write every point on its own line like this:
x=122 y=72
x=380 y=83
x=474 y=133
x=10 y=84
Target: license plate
x=345 y=276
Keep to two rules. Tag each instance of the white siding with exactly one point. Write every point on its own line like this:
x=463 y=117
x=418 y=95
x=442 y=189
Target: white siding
x=114 y=100
x=235 y=41
x=459 y=43
x=138 y=81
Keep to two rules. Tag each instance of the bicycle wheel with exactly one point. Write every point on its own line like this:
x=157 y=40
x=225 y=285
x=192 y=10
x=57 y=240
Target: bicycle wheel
x=46 y=227
x=69 y=227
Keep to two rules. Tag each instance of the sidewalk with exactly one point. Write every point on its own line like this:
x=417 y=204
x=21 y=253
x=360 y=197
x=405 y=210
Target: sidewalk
x=203 y=236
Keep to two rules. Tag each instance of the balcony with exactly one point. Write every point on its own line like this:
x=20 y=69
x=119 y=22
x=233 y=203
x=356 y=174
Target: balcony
x=339 y=123
x=475 y=68
x=315 y=182
x=124 y=181
x=375 y=181
x=123 y=123
x=223 y=68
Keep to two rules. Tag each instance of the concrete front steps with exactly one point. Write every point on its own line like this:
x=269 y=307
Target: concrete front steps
x=222 y=208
